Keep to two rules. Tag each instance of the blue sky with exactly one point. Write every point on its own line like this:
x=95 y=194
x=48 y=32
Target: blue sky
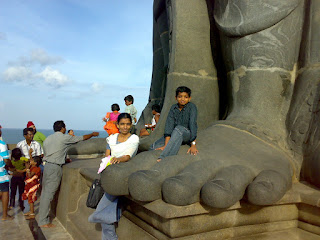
x=71 y=59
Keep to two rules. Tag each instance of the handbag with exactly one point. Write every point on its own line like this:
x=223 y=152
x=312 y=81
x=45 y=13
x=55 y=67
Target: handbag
x=95 y=194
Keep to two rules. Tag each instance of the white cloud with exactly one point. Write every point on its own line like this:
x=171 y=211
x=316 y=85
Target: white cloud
x=18 y=74
x=97 y=87
x=53 y=77
x=41 y=57
x=34 y=70
x=37 y=56
x=48 y=76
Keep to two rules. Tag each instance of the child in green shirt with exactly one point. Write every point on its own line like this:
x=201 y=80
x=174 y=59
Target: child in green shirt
x=17 y=181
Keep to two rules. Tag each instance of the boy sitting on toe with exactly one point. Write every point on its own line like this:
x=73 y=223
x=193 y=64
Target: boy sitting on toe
x=181 y=126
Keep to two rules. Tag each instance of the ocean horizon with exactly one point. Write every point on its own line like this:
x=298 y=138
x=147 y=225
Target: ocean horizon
x=15 y=135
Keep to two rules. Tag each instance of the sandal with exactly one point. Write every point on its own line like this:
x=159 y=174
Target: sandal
x=31 y=216
x=49 y=225
x=27 y=214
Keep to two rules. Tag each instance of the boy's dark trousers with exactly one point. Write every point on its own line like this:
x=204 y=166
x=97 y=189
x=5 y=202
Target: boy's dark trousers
x=16 y=182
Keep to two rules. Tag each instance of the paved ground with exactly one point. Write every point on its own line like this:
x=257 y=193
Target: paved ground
x=21 y=229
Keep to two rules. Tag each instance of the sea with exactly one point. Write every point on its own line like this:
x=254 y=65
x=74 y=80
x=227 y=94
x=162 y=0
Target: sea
x=15 y=135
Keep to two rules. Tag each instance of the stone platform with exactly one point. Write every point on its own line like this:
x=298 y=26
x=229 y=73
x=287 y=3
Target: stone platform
x=295 y=216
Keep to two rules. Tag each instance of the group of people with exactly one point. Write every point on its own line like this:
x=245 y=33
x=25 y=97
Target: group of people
x=24 y=168
x=111 y=117
x=181 y=128
x=35 y=162
x=122 y=145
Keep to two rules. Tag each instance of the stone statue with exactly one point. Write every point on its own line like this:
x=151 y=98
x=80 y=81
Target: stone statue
x=254 y=71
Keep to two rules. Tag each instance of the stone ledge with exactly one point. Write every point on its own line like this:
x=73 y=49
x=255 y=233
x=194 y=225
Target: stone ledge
x=295 y=195
x=241 y=232
x=236 y=218
x=309 y=228
x=301 y=192
x=292 y=234
x=297 y=212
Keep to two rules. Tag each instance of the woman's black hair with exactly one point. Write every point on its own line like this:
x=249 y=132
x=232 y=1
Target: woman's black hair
x=115 y=107
x=156 y=107
x=124 y=115
x=16 y=153
x=26 y=130
x=58 y=125
x=182 y=89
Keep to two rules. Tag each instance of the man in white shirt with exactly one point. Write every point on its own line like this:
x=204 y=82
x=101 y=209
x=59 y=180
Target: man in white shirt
x=29 y=143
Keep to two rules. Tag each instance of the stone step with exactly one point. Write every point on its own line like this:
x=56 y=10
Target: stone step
x=292 y=234
x=78 y=225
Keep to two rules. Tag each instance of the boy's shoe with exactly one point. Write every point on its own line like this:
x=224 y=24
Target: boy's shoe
x=22 y=208
x=10 y=207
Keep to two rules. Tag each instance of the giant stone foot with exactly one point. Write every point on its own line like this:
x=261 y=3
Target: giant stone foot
x=246 y=154
x=114 y=178
x=240 y=161
x=145 y=185
x=227 y=187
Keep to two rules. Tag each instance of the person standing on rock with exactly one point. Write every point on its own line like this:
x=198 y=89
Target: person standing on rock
x=55 y=151
x=128 y=100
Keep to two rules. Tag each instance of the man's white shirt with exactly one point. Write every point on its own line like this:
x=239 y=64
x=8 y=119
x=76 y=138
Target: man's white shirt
x=24 y=147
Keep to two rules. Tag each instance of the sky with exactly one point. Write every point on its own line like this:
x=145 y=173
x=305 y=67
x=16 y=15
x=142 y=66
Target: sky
x=72 y=59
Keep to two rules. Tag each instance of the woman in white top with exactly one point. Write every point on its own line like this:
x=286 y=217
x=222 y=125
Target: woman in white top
x=124 y=145
x=121 y=147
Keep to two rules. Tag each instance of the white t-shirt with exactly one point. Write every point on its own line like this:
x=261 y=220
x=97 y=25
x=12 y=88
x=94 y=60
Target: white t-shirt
x=24 y=147
x=4 y=154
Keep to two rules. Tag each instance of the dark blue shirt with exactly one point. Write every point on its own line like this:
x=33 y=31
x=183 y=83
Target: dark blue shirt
x=187 y=118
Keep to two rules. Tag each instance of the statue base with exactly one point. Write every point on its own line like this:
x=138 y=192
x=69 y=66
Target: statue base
x=295 y=216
